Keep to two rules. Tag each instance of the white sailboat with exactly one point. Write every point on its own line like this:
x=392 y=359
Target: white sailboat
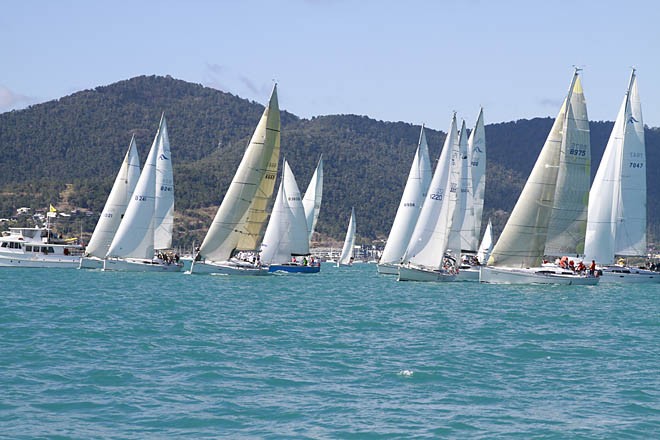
x=133 y=246
x=346 y=257
x=114 y=209
x=312 y=198
x=242 y=214
x=410 y=206
x=616 y=224
x=475 y=182
x=550 y=215
x=287 y=236
x=424 y=259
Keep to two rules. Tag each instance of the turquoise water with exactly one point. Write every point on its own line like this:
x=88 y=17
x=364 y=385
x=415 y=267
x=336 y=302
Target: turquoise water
x=342 y=354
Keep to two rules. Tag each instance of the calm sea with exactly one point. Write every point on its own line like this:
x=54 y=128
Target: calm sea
x=342 y=354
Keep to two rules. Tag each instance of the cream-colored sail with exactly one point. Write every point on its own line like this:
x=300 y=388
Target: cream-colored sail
x=617 y=202
x=523 y=240
x=568 y=222
x=249 y=182
x=115 y=206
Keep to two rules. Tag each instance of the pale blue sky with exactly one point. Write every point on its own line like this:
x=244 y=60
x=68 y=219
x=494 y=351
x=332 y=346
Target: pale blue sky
x=412 y=61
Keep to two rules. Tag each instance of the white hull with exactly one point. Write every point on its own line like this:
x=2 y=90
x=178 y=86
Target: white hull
x=615 y=274
x=36 y=261
x=388 y=269
x=540 y=275
x=137 y=265
x=227 y=268
x=91 y=263
x=407 y=273
x=468 y=274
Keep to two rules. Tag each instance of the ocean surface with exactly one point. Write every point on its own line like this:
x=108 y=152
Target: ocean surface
x=342 y=354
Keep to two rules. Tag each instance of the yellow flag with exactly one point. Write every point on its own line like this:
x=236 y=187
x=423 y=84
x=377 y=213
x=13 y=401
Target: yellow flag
x=52 y=208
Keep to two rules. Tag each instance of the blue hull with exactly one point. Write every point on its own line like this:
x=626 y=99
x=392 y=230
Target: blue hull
x=292 y=268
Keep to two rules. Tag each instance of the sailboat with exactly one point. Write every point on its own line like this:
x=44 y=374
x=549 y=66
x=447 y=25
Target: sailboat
x=286 y=235
x=424 y=259
x=616 y=224
x=312 y=198
x=473 y=183
x=346 y=257
x=239 y=221
x=549 y=218
x=114 y=209
x=149 y=216
x=410 y=206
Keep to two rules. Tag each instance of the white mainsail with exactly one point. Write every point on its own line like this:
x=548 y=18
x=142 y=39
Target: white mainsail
x=540 y=206
x=410 y=205
x=477 y=173
x=164 y=208
x=135 y=235
x=617 y=202
x=254 y=177
x=349 y=242
x=286 y=234
x=428 y=242
x=115 y=206
x=462 y=224
x=312 y=199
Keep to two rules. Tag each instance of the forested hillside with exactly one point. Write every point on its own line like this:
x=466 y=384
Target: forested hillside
x=67 y=152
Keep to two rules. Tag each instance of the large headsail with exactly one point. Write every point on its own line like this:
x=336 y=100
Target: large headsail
x=568 y=222
x=522 y=242
x=164 y=209
x=617 y=201
x=462 y=225
x=312 y=199
x=349 y=241
x=410 y=205
x=227 y=228
x=135 y=235
x=115 y=206
x=428 y=242
x=477 y=171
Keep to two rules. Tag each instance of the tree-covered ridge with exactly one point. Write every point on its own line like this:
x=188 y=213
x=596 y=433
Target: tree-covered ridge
x=81 y=139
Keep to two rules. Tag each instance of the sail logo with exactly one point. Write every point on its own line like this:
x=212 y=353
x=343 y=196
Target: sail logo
x=163 y=157
x=632 y=119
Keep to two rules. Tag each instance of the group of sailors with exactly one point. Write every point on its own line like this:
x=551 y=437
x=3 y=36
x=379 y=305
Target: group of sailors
x=168 y=257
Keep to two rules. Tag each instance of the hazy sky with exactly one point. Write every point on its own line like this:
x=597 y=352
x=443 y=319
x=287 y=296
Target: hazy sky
x=402 y=60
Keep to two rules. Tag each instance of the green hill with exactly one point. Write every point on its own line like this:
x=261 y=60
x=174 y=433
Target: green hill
x=67 y=152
